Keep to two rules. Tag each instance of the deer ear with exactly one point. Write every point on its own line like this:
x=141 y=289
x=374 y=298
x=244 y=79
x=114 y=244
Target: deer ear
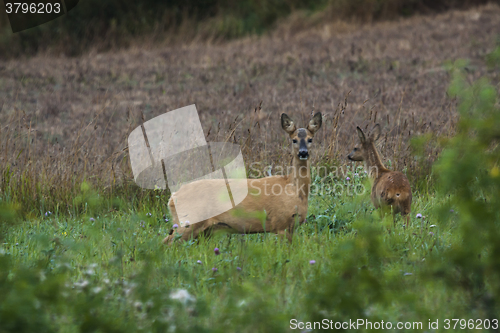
x=361 y=135
x=287 y=123
x=375 y=134
x=315 y=123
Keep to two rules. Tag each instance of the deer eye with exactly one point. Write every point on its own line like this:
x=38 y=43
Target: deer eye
x=310 y=140
x=355 y=149
x=294 y=140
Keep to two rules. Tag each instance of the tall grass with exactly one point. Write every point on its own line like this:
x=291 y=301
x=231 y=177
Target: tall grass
x=84 y=177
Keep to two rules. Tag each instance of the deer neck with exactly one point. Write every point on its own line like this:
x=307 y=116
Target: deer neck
x=373 y=163
x=301 y=176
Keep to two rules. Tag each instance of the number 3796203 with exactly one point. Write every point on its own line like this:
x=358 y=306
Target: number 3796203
x=477 y=324
x=32 y=8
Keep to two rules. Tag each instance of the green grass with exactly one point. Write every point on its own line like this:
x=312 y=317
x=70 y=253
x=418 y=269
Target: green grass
x=121 y=262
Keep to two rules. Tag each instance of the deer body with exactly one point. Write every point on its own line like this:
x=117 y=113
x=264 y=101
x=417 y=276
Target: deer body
x=274 y=204
x=390 y=189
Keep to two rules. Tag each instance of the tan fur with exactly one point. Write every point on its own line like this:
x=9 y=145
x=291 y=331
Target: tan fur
x=264 y=209
x=390 y=189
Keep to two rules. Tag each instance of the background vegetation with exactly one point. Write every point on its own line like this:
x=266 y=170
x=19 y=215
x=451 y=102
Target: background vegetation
x=81 y=244
x=114 y=23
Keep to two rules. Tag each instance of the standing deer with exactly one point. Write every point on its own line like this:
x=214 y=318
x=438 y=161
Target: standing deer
x=390 y=189
x=273 y=204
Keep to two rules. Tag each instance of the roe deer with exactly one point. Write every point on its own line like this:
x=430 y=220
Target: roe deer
x=273 y=204
x=390 y=189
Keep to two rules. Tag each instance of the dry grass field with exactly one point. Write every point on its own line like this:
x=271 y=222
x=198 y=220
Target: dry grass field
x=63 y=119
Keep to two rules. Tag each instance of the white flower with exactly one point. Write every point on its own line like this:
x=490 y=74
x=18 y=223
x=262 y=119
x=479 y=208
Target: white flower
x=81 y=284
x=182 y=296
x=96 y=290
x=138 y=305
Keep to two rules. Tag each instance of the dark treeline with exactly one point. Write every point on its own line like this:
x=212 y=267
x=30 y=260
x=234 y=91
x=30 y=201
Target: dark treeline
x=112 y=23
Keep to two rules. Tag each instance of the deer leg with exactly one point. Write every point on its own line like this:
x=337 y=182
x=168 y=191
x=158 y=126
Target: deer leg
x=190 y=232
x=407 y=219
x=168 y=239
x=287 y=233
x=212 y=226
x=175 y=220
x=382 y=212
x=172 y=234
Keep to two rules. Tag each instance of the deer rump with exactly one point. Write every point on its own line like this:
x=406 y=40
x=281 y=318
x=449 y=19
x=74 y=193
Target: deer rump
x=392 y=189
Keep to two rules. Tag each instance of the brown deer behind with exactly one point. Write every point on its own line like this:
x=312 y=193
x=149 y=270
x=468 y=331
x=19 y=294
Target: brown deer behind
x=390 y=189
x=274 y=204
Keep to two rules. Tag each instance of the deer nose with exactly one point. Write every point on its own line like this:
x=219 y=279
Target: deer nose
x=303 y=153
